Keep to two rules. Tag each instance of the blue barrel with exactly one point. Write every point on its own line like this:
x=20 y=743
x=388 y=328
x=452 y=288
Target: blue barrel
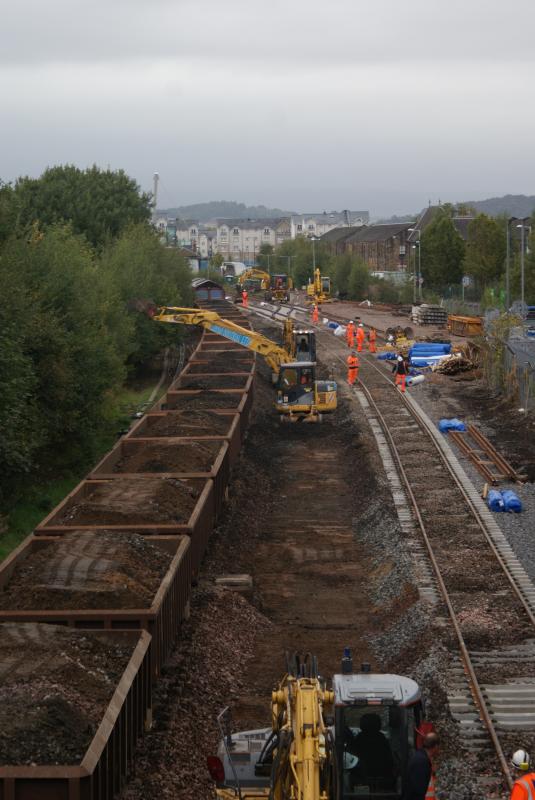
x=495 y=500
x=511 y=501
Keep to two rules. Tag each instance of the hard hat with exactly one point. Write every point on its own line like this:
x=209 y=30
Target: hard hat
x=520 y=760
x=400 y=358
x=360 y=325
x=350 y=761
x=351 y=322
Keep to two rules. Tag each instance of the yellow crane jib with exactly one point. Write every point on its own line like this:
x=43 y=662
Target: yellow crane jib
x=300 y=397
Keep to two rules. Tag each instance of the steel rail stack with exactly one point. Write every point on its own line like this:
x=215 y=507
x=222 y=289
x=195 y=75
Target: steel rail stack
x=162 y=486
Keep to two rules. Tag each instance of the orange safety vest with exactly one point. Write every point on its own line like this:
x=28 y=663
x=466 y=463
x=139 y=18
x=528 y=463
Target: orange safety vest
x=350 y=331
x=352 y=362
x=372 y=335
x=430 y=793
x=524 y=787
x=360 y=334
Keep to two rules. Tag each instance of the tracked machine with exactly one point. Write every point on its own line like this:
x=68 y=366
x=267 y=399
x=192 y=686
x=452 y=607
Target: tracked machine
x=279 y=289
x=348 y=742
x=301 y=397
x=319 y=289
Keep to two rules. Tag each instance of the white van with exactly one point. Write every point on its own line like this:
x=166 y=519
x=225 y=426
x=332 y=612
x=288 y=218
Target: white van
x=233 y=268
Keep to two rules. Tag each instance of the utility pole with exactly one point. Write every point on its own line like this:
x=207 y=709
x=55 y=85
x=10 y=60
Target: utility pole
x=156 y=178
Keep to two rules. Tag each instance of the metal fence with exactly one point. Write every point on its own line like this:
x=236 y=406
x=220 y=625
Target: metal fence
x=509 y=368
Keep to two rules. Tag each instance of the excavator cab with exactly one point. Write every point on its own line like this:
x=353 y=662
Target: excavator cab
x=377 y=718
x=299 y=342
x=300 y=397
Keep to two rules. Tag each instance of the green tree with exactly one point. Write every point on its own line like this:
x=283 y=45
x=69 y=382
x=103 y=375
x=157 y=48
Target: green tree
x=359 y=280
x=216 y=262
x=138 y=268
x=265 y=260
x=8 y=211
x=64 y=336
x=99 y=204
x=442 y=253
x=342 y=271
x=485 y=250
x=301 y=258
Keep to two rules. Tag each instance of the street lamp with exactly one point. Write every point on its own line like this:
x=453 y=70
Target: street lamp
x=522 y=253
x=314 y=239
x=418 y=242
x=507 y=262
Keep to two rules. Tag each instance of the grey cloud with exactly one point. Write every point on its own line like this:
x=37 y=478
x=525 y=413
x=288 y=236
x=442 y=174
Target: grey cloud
x=267 y=31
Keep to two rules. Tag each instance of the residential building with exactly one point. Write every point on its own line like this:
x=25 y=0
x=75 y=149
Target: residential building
x=337 y=237
x=241 y=239
x=384 y=248
x=319 y=224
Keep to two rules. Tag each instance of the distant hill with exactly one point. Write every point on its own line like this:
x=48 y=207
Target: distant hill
x=515 y=205
x=204 y=212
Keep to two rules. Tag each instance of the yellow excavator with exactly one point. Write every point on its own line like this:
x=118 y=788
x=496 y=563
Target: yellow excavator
x=279 y=289
x=253 y=276
x=300 y=396
x=351 y=741
x=319 y=289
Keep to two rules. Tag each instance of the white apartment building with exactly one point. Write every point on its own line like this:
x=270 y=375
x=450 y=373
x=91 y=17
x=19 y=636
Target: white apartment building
x=241 y=239
x=318 y=224
x=197 y=236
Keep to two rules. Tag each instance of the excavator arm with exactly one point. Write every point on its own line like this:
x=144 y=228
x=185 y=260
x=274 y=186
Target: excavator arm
x=252 y=340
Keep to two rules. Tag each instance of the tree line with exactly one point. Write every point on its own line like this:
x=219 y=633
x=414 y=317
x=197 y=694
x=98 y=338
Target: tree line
x=76 y=248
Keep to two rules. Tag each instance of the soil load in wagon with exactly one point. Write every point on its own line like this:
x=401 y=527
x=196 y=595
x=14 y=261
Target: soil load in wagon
x=87 y=570
x=184 y=423
x=184 y=457
x=187 y=381
x=133 y=501
x=203 y=399
x=219 y=365
x=56 y=686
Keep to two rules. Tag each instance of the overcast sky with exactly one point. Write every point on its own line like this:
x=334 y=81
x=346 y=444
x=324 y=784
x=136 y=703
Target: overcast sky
x=301 y=104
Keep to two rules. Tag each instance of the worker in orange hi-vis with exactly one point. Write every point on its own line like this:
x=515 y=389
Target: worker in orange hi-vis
x=524 y=785
x=315 y=313
x=372 y=338
x=245 y=298
x=350 y=334
x=352 y=368
x=360 y=335
x=400 y=370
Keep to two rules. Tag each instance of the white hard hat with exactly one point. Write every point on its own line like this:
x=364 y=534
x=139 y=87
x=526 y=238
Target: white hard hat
x=350 y=760
x=360 y=325
x=520 y=760
x=400 y=358
x=351 y=321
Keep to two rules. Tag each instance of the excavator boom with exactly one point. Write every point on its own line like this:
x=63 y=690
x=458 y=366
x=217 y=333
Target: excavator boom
x=300 y=397
x=252 y=340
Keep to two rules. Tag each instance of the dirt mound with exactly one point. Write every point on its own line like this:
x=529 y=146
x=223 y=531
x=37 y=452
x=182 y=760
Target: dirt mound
x=205 y=400
x=190 y=457
x=56 y=685
x=85 y=569
x=187 y=423
x=135 y=501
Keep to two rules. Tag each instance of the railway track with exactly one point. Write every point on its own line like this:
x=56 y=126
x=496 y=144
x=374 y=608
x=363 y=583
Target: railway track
x=463 y=560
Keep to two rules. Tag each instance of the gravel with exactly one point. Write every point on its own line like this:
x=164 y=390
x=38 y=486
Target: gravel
x=518 y=528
